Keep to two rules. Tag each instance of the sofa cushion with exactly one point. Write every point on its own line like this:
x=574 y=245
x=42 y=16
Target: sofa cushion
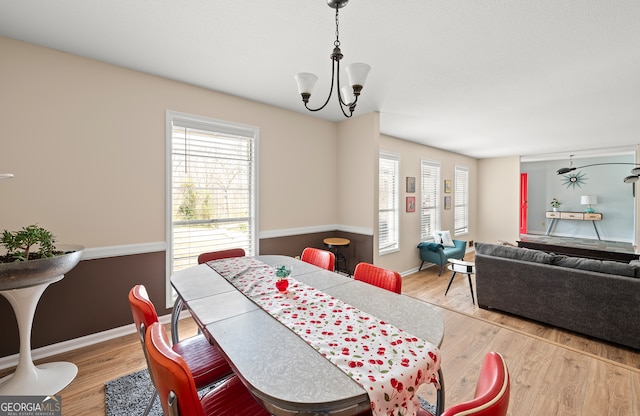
x=515 y=253
x=636 y=267
x=592 y=265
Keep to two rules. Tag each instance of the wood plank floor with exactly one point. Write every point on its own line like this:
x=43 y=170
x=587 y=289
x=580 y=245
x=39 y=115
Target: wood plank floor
x=553 y=372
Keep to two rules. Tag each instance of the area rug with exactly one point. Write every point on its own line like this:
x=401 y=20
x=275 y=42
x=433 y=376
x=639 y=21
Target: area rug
x=129 y=395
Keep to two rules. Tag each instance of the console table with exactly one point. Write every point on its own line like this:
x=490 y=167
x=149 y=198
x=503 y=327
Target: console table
x=554 y=216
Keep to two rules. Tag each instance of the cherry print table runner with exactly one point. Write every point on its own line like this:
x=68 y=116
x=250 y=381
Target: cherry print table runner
x=389 y=363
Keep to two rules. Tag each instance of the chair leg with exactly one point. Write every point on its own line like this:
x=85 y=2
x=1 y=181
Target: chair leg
x=175 y=316
x=151 y=401
x=450 y=281
x=421 y=264
x=440 y=273
x=440 y=394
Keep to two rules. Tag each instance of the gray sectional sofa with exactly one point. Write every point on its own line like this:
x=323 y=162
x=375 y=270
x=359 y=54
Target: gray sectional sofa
x=593 y=297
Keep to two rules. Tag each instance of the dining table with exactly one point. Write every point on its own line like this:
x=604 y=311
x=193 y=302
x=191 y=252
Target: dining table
x=328 y=344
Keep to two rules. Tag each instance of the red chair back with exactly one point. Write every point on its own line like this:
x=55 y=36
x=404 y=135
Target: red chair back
x=143 y=311
x=171 y=375
x=321 y=258
x=378 y=276
x=221 y=254
x=492 y=391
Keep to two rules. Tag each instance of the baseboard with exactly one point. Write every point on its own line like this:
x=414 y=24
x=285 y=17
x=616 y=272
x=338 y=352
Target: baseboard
x=73 y=344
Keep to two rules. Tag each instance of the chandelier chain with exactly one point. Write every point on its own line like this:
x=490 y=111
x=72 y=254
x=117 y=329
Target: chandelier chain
x=337 y=42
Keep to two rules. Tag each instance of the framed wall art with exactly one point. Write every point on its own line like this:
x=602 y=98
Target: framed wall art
x=447 y=202
x=411 y=184
x=447 y=186
x=411 y=204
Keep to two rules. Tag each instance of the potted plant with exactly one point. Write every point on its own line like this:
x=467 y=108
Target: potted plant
x=33 y=258
x=555 y=204
x=31 y=264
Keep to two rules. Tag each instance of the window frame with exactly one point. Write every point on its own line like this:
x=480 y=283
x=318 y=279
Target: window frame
x=216 y=127
x=430 y=184
x=394 y=243
x=461 y=199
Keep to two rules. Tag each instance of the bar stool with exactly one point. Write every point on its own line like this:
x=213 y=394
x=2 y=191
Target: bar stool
x=335 y=243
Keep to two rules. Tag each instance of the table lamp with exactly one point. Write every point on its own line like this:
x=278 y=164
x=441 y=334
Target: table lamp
x=589 y=200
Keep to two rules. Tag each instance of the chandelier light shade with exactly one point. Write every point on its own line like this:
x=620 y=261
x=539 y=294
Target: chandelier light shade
x=356 y=74
x=635 y=174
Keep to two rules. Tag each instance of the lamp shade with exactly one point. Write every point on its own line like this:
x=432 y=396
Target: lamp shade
x=6 y=175
x=306 y=82
x=347 y=94
x=357 y=73
x=589 y=200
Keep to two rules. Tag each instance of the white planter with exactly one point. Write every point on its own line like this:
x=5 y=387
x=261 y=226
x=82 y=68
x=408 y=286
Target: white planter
x=22 y=284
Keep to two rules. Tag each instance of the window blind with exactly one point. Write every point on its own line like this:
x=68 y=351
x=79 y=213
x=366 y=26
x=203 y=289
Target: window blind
x=212 y=188
x=461 y=203
x=429 y=198
x=388 y=202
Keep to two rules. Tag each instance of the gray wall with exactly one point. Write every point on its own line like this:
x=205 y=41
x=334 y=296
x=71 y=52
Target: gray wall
x=615 y=198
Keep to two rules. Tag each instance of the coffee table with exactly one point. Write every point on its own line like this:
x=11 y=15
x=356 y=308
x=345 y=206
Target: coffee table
x=464 y=267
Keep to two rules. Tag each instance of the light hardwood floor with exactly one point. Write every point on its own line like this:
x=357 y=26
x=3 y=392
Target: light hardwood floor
x=553 y=372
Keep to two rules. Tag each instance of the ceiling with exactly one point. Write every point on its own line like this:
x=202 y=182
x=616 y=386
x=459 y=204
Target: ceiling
x=486 y=78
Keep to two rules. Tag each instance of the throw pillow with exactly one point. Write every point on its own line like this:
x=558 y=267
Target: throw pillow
x=444 y=238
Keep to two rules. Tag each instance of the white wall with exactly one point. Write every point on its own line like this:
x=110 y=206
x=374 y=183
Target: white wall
x=615 y=198
x=408 y=257
x=86 y=142
x=357 y=157
x=499 y=199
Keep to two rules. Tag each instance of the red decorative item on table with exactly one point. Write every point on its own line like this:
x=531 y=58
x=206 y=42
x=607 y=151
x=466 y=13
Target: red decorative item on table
x=282 y=273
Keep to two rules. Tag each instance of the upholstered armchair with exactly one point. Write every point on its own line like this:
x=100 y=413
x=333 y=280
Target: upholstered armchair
x=438 y=254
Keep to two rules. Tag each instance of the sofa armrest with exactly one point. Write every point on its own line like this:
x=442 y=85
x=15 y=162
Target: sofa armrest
x=432 y=252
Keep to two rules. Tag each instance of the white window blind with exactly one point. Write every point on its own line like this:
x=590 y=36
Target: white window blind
x=212 y=188
x=461 y=203
x=429 y=198
x=389 y=202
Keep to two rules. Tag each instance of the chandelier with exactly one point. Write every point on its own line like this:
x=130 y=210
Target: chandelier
x=356 y=73
x=635 y=172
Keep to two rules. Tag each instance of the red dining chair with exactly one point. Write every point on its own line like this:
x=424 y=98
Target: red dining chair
x=220 y=254
x=202 y=258
x=206 y=362
x=378 y=276
x=318 y=257
x=492 y=391
x=177 y=390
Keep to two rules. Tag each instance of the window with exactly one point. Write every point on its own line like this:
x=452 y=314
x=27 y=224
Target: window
x=429 y=198
x=388 y=203
x=211 y=188
x=461 y=200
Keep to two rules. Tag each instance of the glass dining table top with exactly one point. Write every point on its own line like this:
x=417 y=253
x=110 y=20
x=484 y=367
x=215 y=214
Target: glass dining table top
x=282 y=370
